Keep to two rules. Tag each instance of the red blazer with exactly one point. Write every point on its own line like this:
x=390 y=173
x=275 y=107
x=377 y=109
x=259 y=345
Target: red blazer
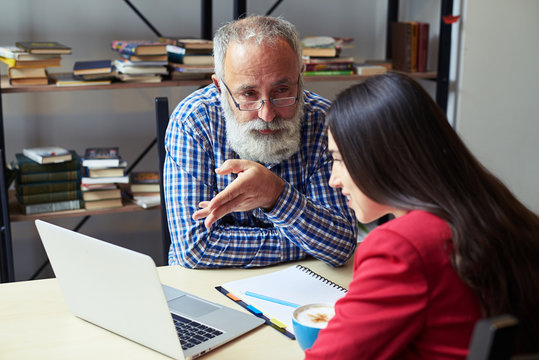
x=405 y=300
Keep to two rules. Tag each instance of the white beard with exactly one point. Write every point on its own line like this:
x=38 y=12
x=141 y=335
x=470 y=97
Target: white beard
x=249 y=144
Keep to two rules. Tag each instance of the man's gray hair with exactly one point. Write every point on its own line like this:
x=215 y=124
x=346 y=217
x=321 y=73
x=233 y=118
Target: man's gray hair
x=265 y=30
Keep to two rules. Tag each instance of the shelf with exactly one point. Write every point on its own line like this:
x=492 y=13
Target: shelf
x=7 y=89
x=16 y=215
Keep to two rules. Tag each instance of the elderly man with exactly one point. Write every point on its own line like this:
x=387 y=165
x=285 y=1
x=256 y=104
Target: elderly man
x=247 y=167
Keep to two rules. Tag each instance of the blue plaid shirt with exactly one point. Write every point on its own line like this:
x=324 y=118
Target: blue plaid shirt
x=308 y=218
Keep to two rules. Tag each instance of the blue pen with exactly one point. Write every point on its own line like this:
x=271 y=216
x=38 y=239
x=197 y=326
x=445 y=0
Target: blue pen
x=268 y=298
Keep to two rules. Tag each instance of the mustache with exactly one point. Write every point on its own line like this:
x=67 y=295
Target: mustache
x=278 y=123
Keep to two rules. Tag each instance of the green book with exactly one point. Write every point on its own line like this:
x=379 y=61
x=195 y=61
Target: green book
x=44 y=187
x=328 y=72
x=27 y=165
x=49 y=197
x=49 y=176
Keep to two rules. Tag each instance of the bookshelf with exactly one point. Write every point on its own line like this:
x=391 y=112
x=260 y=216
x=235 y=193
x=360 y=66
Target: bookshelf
x=9 y=211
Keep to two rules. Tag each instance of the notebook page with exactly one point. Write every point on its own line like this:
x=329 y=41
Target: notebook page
x=295 y=284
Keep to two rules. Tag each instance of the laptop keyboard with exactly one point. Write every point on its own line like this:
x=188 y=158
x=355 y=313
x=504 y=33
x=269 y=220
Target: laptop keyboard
x=192 y=333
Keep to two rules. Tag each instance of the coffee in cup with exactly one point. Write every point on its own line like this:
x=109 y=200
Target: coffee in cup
x=307 y=321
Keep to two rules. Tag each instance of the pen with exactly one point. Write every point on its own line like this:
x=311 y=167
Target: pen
x=268 y=298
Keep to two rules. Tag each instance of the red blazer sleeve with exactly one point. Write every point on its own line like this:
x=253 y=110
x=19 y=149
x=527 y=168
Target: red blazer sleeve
x=384 y=308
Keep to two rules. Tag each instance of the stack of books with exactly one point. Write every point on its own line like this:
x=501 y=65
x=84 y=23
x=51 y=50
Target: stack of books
x=49 y=185
x=321 y=56
x=189 y=58
x=409 y=46
x=144 y=188
x=141 y=60
x=103 y=169
x=28 y=61
x=90 y=72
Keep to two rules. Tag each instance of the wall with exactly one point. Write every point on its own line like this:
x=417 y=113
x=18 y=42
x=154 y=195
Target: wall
x=498 y=105
x=125 y=118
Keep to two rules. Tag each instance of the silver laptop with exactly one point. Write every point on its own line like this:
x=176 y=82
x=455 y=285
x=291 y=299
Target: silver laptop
x=119 y=290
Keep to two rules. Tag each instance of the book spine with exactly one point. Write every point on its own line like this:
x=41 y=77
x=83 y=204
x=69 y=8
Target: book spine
x=328 y=72
x=175 y=57
x=423 y=47
x=49 y=176
x=50 y=207
x=37 y=188
x=414 y=46
x=329 y=66
x=49 y=197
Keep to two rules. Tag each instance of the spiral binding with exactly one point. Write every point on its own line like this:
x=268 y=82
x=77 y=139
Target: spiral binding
x=319 y=277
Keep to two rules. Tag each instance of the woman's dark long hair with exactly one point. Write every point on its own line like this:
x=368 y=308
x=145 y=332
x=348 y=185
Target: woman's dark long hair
x=401 y=151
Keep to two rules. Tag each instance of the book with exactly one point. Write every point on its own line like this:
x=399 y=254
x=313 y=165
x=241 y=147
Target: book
x=50 y=207
x=47 y=197
x=367 y=70
x=107 y=171
x=422 y=46
x=92 y=67
x=380 y=62
x=404 y=46
x=328 y=66
x=317 y=60
x=31 y=63
x=47 y=154
x=27 y=165
x=139 y=47
x=140 y=78
x=144 y=58
x=43 y=47
x=14 y=52
x=29 y=81
x=320 y=51
x=144 y=181
x=20 y=73
x=147 y=202
x=297 y=285
x=126 y=62
x=86 y=180
x=328 y=72
x=179 y=55
x=188 y=43
x=48 y=176
x=101 y=157
x=45 y=187
x=72 y=80
x=131 y=69
x=101 y=194
x=103 y=204
x=92 y=187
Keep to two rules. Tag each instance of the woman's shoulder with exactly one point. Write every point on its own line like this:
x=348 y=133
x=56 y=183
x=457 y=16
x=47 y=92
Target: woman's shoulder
x=418 y=223
x=427 y=233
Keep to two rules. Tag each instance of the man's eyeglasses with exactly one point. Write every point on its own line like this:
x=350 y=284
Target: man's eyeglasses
x=257 y=105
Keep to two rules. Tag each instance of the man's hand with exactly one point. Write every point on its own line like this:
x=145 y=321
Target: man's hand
x=255 y=187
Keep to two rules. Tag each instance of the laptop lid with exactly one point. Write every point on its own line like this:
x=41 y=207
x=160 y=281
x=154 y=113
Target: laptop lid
x=119 y=289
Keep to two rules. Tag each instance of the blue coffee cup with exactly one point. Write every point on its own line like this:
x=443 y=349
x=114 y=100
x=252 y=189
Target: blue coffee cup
x=307 y=322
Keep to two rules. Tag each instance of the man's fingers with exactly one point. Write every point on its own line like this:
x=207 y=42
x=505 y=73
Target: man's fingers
x=232 y=166
x=201 y=214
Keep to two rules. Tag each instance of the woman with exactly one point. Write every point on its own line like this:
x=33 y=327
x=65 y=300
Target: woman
x=461 y=246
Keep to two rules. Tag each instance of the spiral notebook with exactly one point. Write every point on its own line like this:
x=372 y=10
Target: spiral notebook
x=275 y=296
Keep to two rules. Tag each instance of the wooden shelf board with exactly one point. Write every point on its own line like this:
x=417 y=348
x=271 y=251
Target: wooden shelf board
x=16 y=215
x=7 y=88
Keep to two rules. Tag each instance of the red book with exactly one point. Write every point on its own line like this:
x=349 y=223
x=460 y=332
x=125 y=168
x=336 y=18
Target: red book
x=423 y=47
